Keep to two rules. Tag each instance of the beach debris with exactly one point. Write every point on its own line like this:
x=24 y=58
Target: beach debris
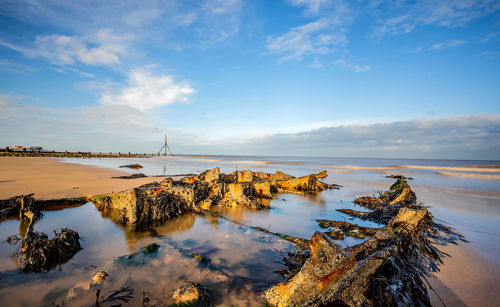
x=37 y=252
x=12 y=206
x=385 y=270
x=133 y=176
x=188 y=294
x=204 y=260
x=154 y=203
x=134 y=166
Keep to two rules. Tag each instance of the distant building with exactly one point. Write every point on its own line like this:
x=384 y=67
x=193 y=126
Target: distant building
x=36 y=148
x=17 y=148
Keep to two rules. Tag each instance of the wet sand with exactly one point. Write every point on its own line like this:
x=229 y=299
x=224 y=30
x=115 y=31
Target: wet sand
x=48 y=178
x=466 y=278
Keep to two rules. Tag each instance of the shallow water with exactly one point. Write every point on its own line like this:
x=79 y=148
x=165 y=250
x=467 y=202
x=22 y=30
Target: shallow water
x=242 y=259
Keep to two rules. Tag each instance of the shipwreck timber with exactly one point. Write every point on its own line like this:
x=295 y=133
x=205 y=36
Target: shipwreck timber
x=154 y=203
x=386 y=270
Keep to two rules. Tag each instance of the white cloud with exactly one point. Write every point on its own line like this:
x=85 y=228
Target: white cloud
x=145 y=91
x=99 y=128
x=405 y=16
x=490 y=54
x=474 y=136
x=311 y=5
x=101 y=48
x=354 y=67
x=446 y=44
x=308 y=39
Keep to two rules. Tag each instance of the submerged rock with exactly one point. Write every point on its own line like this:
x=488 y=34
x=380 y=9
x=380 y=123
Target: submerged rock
x=192 y=293
x=149 y=249
x=99 y=277
x=38 y=252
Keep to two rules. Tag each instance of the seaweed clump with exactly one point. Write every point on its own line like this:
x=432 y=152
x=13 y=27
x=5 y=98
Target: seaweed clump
x=388 y=269
x=37 y=252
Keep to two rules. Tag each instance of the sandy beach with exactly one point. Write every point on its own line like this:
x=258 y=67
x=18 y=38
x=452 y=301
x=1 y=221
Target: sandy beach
x=465 y=279
x=48 y=178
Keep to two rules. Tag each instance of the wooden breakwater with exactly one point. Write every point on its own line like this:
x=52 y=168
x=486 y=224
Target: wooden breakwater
x=72 y=154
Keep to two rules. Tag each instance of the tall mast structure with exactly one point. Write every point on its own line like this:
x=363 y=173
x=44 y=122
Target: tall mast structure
x=165 y=148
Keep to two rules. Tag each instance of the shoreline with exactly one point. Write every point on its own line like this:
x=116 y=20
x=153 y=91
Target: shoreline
x=465 y=278
x=49 y=178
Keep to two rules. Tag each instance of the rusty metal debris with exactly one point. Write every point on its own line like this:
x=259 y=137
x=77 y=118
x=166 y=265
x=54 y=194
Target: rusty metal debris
x=154 y=203
x=386 y=270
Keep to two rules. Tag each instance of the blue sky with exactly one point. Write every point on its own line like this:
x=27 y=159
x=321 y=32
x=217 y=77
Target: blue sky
x=415 y=79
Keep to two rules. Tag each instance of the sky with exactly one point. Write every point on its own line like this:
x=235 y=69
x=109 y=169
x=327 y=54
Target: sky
x=330 y=78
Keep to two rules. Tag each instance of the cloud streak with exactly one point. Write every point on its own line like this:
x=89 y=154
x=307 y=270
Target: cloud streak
x=308 y=39
x=101 y=48
x=446 y=44
x=404 y=16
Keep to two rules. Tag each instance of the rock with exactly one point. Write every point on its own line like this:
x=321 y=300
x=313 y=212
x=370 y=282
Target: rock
x=134 y=166
x=209 y=176
x=99 y=277
x=149 y=249
x=41 y=253
x=303 y=184
x=133 y=176
x=191 y=293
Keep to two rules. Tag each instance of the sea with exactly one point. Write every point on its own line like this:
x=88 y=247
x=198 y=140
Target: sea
x=241 y=260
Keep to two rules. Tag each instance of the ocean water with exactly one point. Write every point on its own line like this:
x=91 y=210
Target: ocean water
x=463 y=194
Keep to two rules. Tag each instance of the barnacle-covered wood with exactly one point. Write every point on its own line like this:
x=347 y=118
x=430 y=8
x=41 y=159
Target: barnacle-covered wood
x=154 y=203
x=385 y=270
